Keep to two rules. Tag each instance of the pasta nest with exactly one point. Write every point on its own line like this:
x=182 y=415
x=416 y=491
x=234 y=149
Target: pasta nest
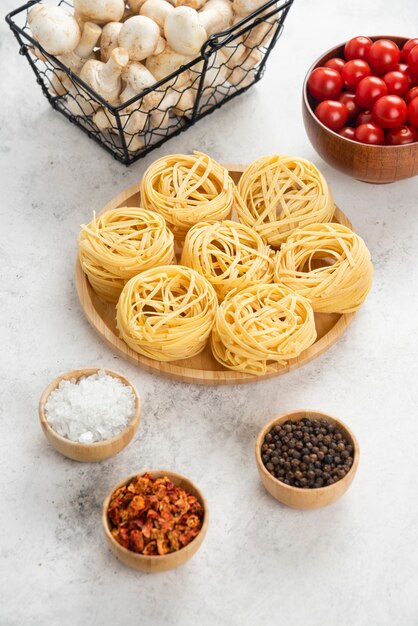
x=167 y=312
x=119 y=244
x=260 y=326
x=328 y=264
x=187 y=189
x=230 y=255
x=277 y=194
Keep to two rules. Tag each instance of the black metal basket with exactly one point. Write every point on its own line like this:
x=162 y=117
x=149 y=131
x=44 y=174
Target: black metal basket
x=229 y=63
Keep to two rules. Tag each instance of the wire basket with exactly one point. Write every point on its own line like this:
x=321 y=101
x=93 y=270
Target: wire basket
x=229 y=63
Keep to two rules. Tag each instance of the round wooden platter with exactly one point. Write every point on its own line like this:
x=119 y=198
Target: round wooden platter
x=202 y=369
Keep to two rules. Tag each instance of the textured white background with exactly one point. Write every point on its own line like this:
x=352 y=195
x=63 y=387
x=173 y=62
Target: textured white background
x=353 y=564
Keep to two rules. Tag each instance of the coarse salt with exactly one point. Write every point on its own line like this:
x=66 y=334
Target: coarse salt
x=92 y=408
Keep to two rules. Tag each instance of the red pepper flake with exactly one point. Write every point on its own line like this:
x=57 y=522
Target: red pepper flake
x=154 y=517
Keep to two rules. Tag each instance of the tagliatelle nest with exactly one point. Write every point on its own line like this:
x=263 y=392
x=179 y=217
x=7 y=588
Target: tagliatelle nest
x=229 y=254
x=119 y=244
x=187 y=189
x=166 y=313
x=328 y=264
x=260 y=326
x=277 y=194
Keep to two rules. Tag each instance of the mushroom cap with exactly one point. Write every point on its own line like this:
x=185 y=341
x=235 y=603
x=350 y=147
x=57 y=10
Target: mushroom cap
x=164 y=64
x=100 y=11
x=139 y=36
x=55 y=29
x=245 y=7
x=157 y=10
x=109 y=39
x=183 y=31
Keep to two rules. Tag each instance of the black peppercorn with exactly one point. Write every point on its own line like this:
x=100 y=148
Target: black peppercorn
x=308 y=454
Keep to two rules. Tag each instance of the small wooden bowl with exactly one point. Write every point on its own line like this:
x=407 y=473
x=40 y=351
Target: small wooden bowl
x=89 y=452
x=296 y=497
x=371 y=164
x=160 y=563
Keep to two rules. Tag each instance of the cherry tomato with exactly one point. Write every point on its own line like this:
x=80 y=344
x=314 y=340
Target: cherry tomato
x=389 y=111
x=332 y=114
x=401 y=135
x=348 y=132
x=413 y=60
x=353 y=71
x=383 y=55
x=413 y=112
x=357 y=48
x=407 y=49
x=369 y=133
x=365 y=117
x=396 y=82
x=335 y=64
x=369 y=90
x=325 y=83
x=412 y=93
x=349 y=99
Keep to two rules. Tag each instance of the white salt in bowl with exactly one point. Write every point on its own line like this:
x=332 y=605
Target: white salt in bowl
x=89 y=452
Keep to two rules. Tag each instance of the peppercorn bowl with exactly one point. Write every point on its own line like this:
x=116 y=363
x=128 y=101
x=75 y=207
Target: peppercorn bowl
x=365 y=162
x=89 y=452
x=299 y=497
x=159 y=562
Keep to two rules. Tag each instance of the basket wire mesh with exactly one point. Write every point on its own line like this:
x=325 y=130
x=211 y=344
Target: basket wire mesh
x=229 y=63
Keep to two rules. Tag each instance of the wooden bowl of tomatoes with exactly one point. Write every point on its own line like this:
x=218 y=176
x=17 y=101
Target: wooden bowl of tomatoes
x=360 y=108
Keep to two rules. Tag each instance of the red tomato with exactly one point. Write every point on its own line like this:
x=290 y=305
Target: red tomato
x=412 y=93
x=357 y=48
x=332 y=114
x=348 y=132
x=325 y=83
x=402 y=135
x=365 y=117
x=413 y=60
x=383 y=55
x=369 y=133
x=389 y=111
x=369 y=90
x=396 y=82
x=349 y=99
x=353 y=71
x=335 y=64
x=407 y=49
x=413 y=112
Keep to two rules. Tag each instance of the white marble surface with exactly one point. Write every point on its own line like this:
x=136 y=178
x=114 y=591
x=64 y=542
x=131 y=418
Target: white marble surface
x=353 y=564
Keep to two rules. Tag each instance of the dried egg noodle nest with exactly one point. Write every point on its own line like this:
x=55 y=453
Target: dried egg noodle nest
x=277 y=194
x=187 y=189
x=121 y=243
x=230 y=255
x=260 y=326
x=166 y=313
x=340 y=286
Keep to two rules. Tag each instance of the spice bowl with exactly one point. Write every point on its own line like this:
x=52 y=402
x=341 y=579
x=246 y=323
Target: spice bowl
x=164 y=562
x=306 y=498
x=89 y=452
x=365 y=162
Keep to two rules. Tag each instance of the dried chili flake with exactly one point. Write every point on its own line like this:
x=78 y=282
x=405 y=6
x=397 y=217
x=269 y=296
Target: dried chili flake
x=154 y=517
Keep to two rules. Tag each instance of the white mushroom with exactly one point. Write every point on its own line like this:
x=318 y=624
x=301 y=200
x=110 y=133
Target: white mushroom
x=245 y=7
x=131 y=123
x=183 y=31
x=56 y=31
x=157 y=10
x=184 y=106
x=89 y=38
x=109 y=39
x=140 y=37
x=243 y=74
x=139 y=78
x=135 y=5
x=105 y=78
x=99 y=11
x=166 y=63
x=216 y=16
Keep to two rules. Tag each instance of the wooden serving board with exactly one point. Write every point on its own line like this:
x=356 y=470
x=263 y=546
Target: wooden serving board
x=203 y=368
